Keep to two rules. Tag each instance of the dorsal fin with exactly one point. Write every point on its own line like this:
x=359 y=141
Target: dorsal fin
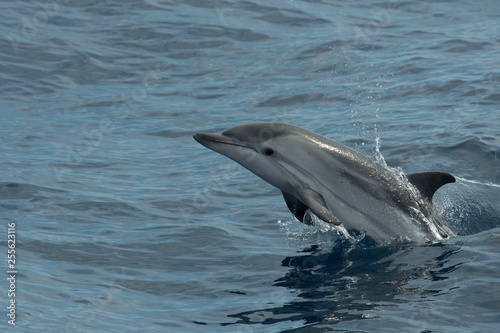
x=429 y=182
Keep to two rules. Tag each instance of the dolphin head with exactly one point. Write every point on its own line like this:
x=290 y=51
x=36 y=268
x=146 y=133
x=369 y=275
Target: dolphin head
x=254 y=146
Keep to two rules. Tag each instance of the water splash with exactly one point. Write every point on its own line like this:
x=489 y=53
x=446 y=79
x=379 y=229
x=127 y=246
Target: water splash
x=379 y=158
x=302 y=235
x=319 y=233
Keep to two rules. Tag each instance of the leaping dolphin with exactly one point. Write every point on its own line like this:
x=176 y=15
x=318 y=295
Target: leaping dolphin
x=336 y=183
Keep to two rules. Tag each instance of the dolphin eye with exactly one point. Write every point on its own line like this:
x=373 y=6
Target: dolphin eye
x=268 y=151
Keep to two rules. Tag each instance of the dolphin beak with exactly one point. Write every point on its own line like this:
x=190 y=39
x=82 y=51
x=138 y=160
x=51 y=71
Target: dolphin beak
x=206 y=139
x=215 y=141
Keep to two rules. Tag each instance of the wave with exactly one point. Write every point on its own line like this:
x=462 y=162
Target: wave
x=470 y=206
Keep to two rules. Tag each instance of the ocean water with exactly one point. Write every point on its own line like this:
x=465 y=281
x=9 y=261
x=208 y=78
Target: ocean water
x=123 y=223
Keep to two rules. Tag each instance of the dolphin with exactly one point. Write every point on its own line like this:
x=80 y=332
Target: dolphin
x=336 y=183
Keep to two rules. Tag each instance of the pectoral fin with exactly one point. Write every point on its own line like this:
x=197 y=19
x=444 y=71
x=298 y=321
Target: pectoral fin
x=295 y=205
x=316 y=203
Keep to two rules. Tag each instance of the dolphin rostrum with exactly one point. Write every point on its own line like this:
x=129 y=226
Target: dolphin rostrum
x=336 y=183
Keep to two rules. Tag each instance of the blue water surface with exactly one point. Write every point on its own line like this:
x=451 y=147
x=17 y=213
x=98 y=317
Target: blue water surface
x=124 y=223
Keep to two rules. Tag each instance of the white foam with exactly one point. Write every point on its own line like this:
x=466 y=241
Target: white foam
x=463 y=180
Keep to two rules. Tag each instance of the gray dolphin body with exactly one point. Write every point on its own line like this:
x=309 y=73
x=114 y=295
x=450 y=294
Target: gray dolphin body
x=336 y=183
